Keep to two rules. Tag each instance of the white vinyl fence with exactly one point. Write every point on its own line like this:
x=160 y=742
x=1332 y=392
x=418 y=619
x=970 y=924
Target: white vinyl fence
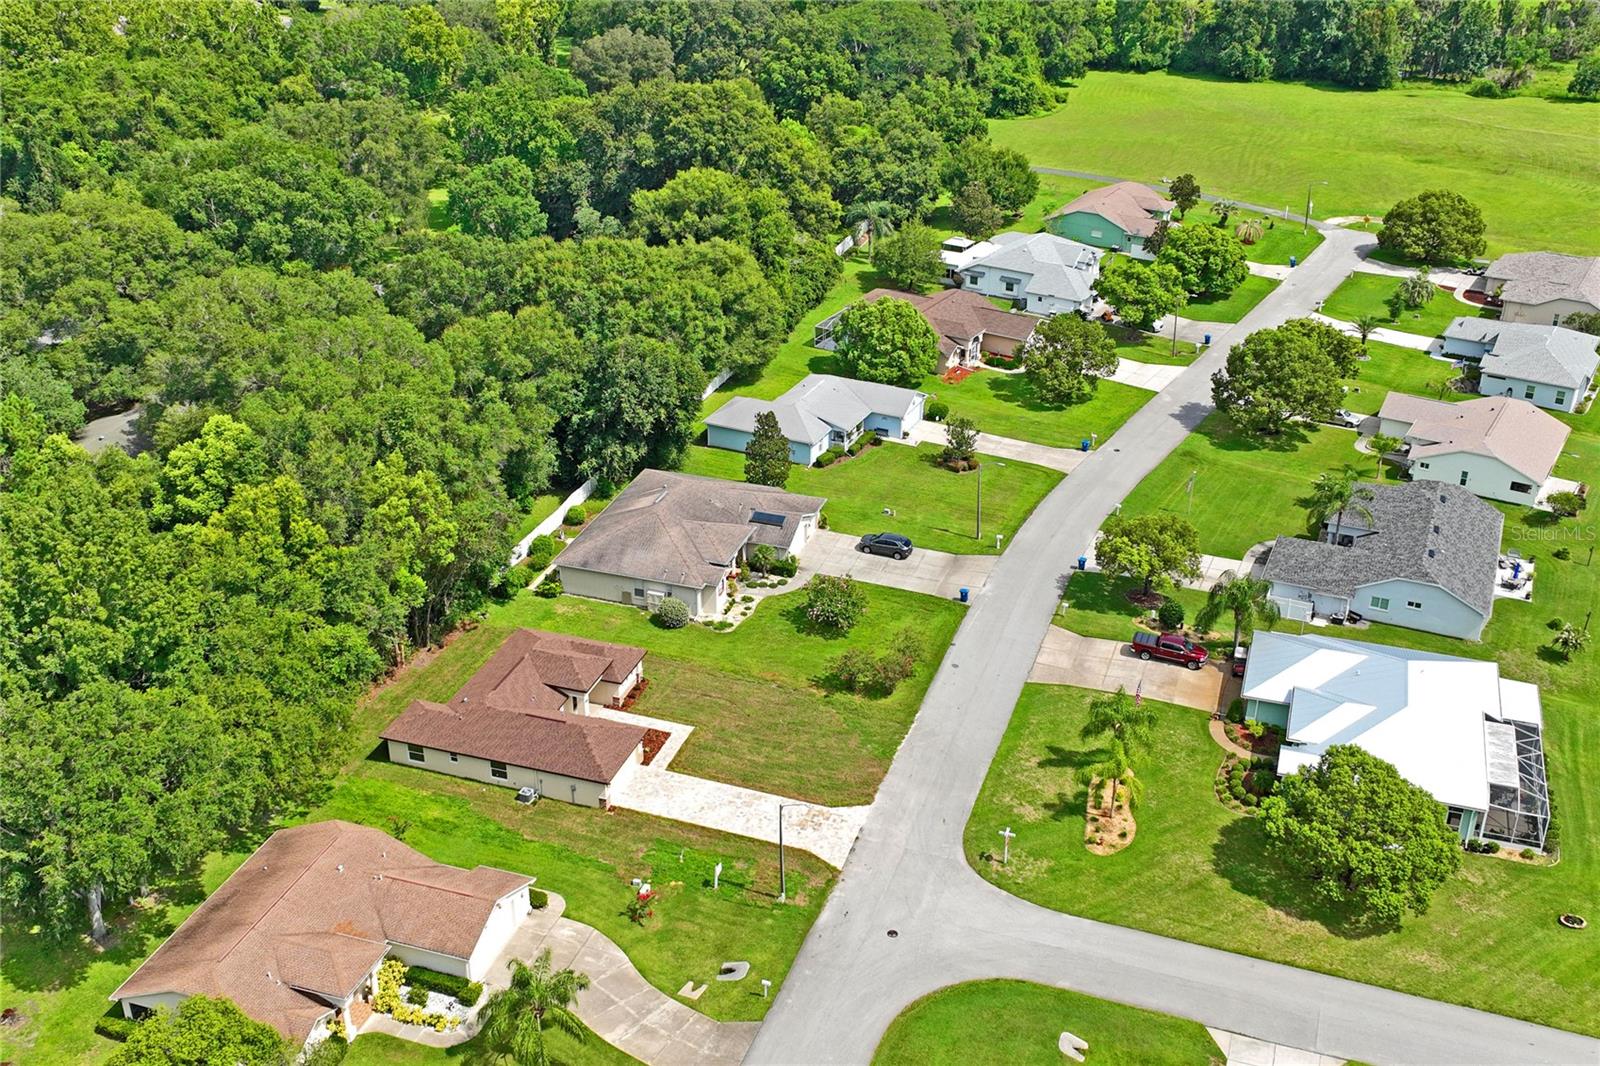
x=552 y=521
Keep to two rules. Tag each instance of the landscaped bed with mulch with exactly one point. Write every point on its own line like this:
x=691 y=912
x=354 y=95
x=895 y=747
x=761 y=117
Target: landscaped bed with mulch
x=653 y=741
x=1108 y=823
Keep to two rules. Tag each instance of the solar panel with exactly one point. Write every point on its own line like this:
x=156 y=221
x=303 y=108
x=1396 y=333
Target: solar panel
x=766 y=518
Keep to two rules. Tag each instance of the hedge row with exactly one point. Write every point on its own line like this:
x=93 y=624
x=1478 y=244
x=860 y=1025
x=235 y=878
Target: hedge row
x=466 y=992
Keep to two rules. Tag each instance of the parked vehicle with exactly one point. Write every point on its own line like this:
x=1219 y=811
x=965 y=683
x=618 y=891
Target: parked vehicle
x=1173 y=647
x=1241 y=654
x=891 y=544
x=1348 y=418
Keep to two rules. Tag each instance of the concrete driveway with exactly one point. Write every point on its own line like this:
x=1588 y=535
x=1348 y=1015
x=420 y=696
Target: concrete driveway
x=1065 y=460
x=1069 y=659
x=929 y=572
x=1152 y=376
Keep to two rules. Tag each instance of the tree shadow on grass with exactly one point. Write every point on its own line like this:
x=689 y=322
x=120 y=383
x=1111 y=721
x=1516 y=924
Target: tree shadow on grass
x=1073 y=801
x=1240 y=857
x=1018 y=391
x=1224 y=436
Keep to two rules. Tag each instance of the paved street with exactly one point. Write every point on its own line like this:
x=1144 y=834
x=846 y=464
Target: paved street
x=908 y=874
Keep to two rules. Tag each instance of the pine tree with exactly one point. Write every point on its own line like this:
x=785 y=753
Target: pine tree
x=766 y=457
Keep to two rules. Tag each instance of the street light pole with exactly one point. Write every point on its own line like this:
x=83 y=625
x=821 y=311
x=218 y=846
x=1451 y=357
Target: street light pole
x=783 y=873
x=978 y=535
x=1305 y=222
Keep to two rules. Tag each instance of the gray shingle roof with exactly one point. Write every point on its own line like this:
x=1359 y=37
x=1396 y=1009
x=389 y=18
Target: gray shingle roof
x=1549 y=355
x=1539 y=277
x=1058 y=267
x=682 y=529
x=1459 y=558
x=818 y=401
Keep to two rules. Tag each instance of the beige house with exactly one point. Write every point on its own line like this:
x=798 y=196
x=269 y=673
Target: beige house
x=295 y=935
x=523 y=720
x=679 y=536
x=1542 y=288
x=967 y=324
x=1496 y=447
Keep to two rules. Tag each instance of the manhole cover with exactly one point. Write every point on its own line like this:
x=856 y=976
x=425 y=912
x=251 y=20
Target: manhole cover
x=893 y=933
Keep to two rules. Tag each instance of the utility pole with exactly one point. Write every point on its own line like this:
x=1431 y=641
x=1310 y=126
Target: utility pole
x=783 y=873
x=1305 y=223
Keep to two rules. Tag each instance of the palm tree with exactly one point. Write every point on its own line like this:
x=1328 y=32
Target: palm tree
x=1335 y=492
x=879 y=216
x=1570 y=639
x=1380 y=445
x=1244 y=597
x=1222 y=209
x=1127 y=721
x=1116 y=768
x=515 y=1017
x=1249 y=231
x=1366 y=325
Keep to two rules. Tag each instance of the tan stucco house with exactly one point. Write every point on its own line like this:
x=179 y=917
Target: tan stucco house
x=682 y=536
x=294 y=937
x=967 y=324
x=1497 y=447
x=523 y=720
x=1542 y=288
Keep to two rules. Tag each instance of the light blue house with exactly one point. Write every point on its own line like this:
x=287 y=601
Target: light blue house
x=1424 y=557
x=1550 y=366
x=821 y=412
x=1452 y=726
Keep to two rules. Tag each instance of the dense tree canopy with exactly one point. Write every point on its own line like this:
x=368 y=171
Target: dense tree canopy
x=1437 y=226
x=888 y=341
x=1277 y=375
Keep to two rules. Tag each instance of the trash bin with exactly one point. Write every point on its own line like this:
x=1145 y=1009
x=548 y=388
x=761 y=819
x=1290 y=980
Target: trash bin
x=1291 y=262
x=965 y=594
x=1083 y=445
x=1083 y=562
x=1208 y=339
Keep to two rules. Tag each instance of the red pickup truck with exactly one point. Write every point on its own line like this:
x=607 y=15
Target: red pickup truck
x=1173 y=647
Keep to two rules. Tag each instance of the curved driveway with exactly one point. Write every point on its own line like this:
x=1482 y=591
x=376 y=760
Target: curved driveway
x=908 y=872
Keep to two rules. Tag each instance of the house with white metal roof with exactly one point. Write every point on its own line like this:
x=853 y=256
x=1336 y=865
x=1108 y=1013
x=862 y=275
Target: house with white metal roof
x=1547 y=365
x=1452 y=726
x=1041 y=272
x=823 y=411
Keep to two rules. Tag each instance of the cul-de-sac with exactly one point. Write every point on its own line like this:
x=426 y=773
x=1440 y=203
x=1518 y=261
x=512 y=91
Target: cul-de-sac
x=792 y=533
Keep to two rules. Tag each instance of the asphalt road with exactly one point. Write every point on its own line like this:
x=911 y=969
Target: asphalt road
x=908 y=872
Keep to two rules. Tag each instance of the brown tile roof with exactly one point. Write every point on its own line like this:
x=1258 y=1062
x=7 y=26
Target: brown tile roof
x=683 y=529
x=309 y=914
x=1127 y=204
x=958 y=315
x=533 y=670
x=573 y=745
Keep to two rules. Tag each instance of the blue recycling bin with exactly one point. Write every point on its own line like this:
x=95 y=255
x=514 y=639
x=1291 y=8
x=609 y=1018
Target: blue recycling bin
x=1083 y=562
x=1083 y=445
x=965 y=594
x=1208 y=339
x=1291 y=262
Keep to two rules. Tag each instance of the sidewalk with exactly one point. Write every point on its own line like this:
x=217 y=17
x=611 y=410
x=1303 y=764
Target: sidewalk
x=1386 y=336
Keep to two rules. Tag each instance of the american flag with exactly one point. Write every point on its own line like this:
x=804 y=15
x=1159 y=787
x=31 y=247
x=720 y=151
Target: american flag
x=1138 y=694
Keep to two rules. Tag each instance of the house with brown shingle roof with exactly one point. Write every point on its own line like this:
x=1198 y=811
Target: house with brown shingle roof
x=680 y=536
x=523 y=720
x=294 y=937
x=1120 y=216
x=1497 y=447
x=967 y=324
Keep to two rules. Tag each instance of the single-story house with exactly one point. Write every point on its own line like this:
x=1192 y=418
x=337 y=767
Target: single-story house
x=1119 y=216
x=967 y=324
x=823 y=411
x=523 y=720
x=1495 y=446
x=1425 y=559
x=679 y=535
x=295 y=935
x=1547 y=365
x=1452 y=726
x=1542 y=287
x=1040 y=272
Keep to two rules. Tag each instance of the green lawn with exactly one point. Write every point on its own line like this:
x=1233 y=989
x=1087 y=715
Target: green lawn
x=1054 y=190
x=1149 y=348
x=378 y=1049
x=1391 y=368
x=1234 y=306
x=1280 y=239
x=1264 y=141
x=1365 y=294
x=1006 y=405
x=1245 y=491
x=1198 y=872
x=540 y=508
x=1097 y=605
x=935 y=507
x=808 y=739
x=1018 y=1023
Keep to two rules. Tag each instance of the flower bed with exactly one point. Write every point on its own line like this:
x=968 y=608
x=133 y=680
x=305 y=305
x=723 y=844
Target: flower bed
x=1108 y=820
x=1240 y=785
x=441 y=1013
x=1265 y=745
x=653 y=741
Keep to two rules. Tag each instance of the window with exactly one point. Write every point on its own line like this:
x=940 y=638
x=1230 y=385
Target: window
x=1452 y=818
x=1423 y=465
x=1415 y=605
x=1011 y=284
x=415 y=753
x=1561 y=397
x=1095 y=233
x=497 y=770
x=454 y=757
x=1521 y=487
x=1379 y=603
x=1527 y=393
x=1463 y=477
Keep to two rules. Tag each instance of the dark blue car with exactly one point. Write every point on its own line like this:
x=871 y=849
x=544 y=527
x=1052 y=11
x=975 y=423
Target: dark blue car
x=890 y=544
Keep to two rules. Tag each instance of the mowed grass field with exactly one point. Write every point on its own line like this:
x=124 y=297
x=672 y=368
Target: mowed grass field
x=1531 y=164
x=1018 y=1023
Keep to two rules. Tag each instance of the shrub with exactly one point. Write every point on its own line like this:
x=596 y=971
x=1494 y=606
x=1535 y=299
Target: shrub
x=1562 y=553
x=329 y=1052
x=787 y=566
x=747 y=599
x=853 y=668
x=1236 y=710
x=1249 y=799
x=575 y=516
x=1555 y=623
x=115 y=1027
x=829 y=457
x=549 y=588
x=1528 y=853
x=446 y=984
x=834 y=602
x=857 y=445
x=417 y=996
x=541 y=550
x=1485 y=88
x=1170 y=614
x=1566 y=504
x=638 y=908
x=762 y=558
x=1258 y=729
x=671 y=614
x=1122 y=834
x=936 y=410
x=470 y=993
x=538 y=898
x=1236 y=790
x=875 y=439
